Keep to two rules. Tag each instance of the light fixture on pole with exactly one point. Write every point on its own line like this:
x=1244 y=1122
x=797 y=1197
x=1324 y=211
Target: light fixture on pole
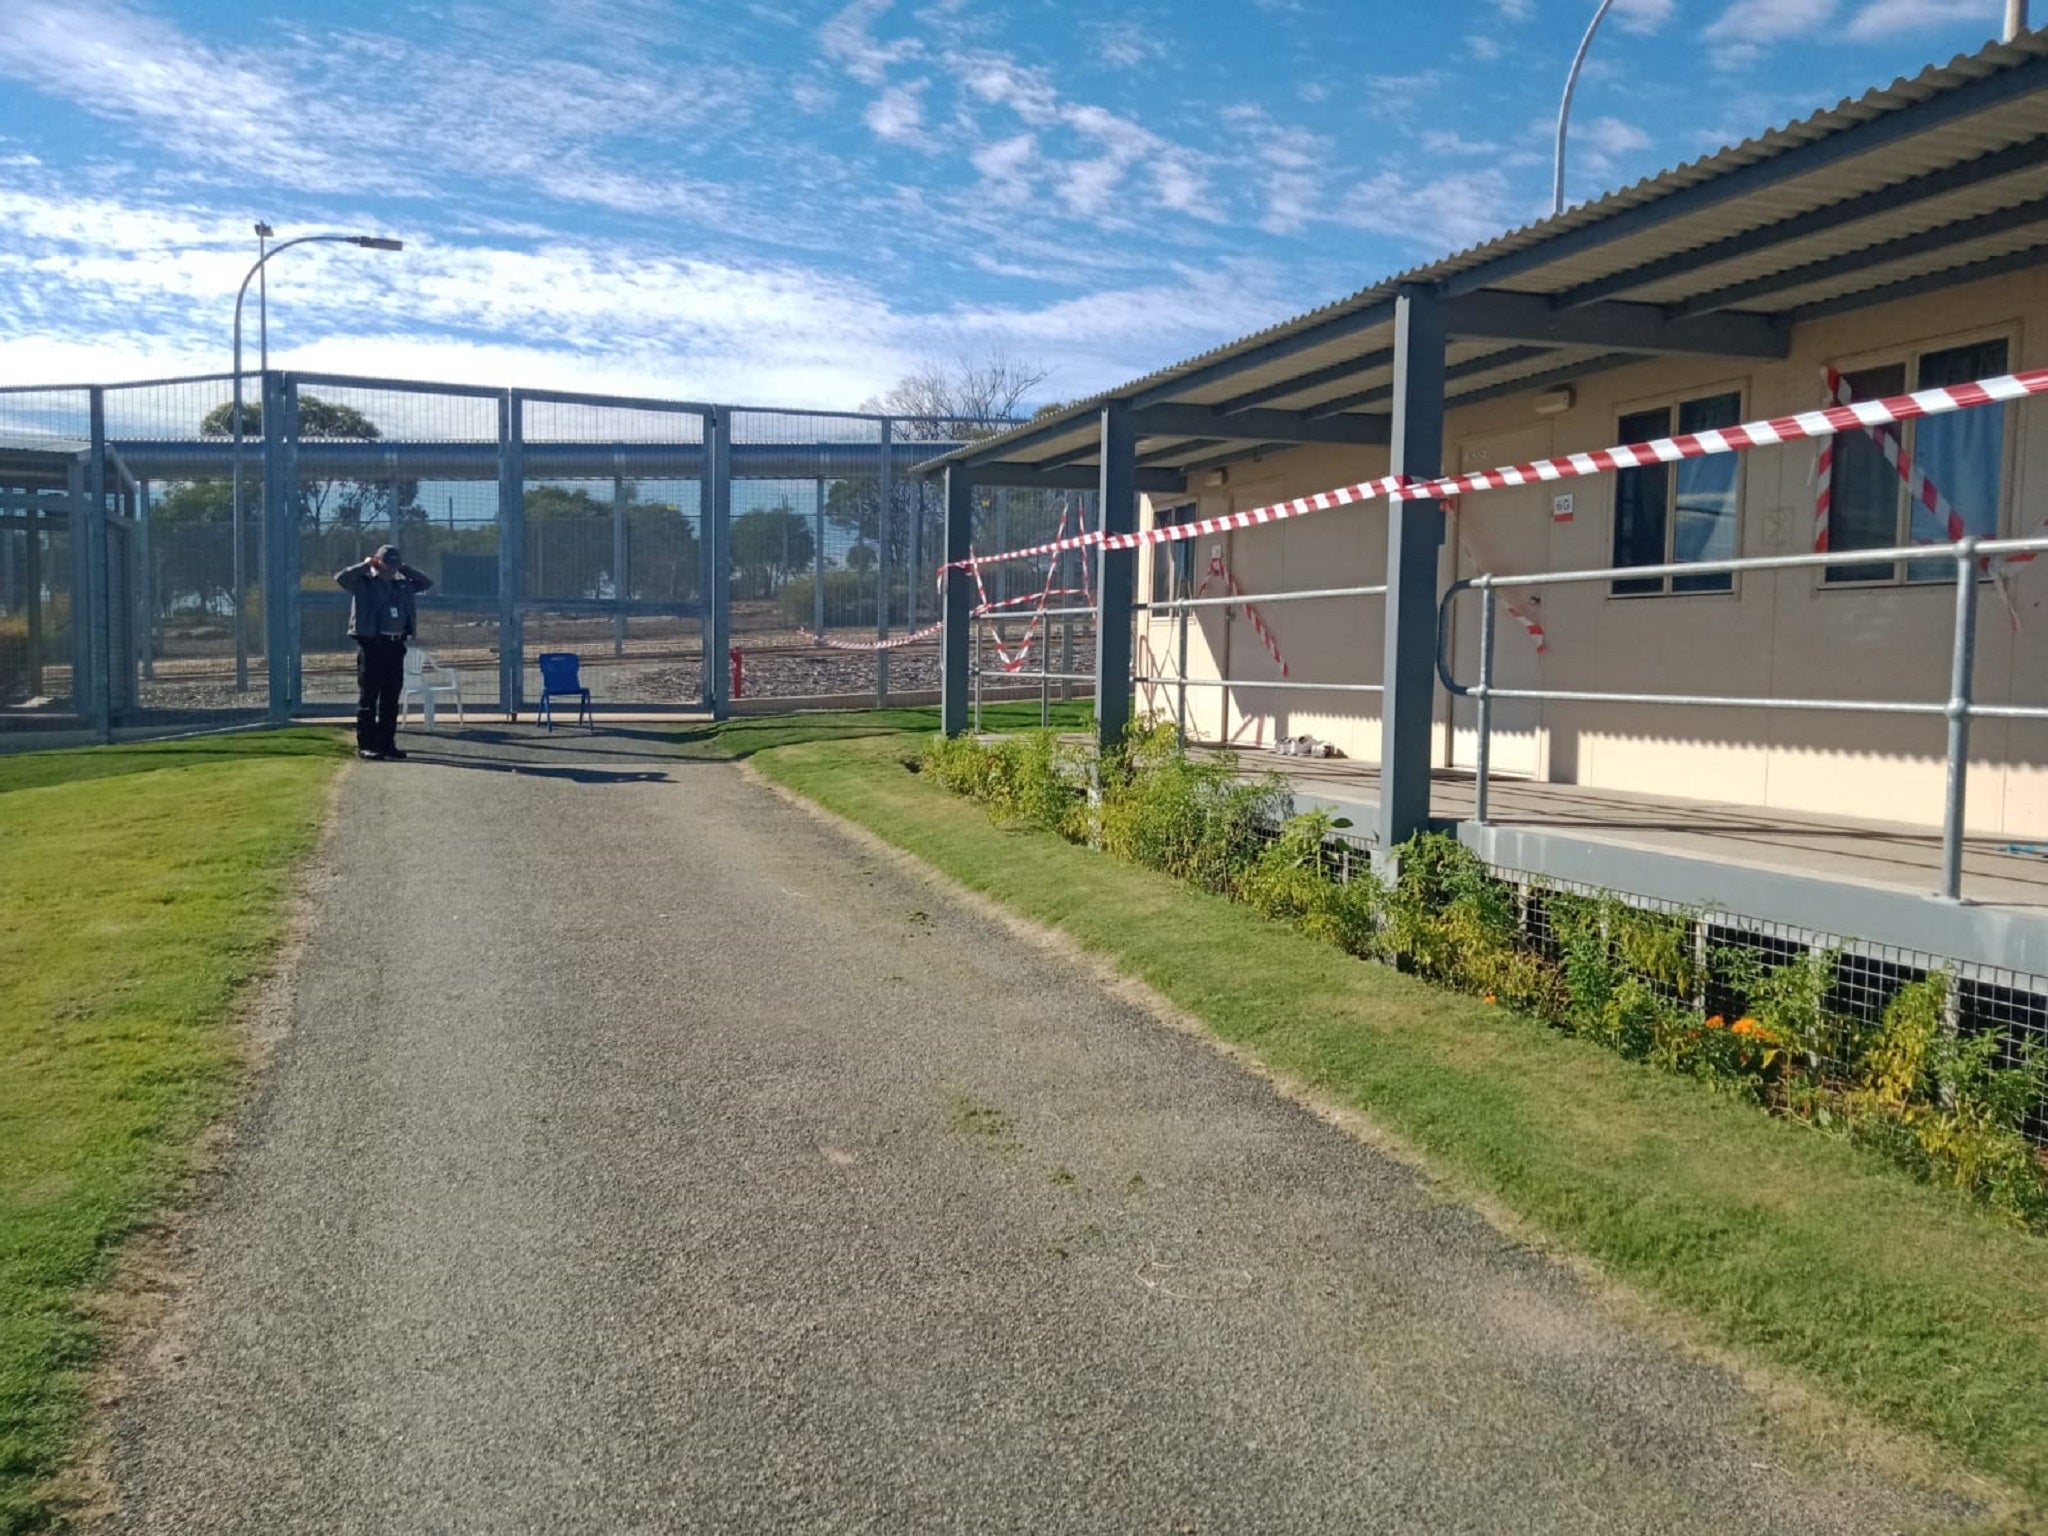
x=1564 y=109
x=263 y=234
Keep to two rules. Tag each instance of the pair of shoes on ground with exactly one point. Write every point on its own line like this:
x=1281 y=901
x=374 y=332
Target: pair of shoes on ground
x=383 y=755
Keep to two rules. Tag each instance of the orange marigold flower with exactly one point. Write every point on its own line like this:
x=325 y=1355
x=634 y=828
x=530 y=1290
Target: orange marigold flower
x=1715 y=1021
x=1488 y=998
x=1748 y=1026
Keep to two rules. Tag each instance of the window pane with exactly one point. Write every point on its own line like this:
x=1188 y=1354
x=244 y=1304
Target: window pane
x=1864 y=513
x=1639 y=500
x=1703 y=527
x=1963 y=454
x=1169 y=561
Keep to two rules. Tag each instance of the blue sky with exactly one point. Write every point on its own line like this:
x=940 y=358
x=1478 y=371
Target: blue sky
x=791 y=203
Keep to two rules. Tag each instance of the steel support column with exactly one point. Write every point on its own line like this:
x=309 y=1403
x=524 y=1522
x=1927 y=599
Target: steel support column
x=511 y=551
x=281 y=543
x=1415 y=534
x=818 y=564
x=145 y=580
x=716 y=523
x=619 y=593
x=885 y=497
x=956 y=639
x=99 y=588
x=1116 y=577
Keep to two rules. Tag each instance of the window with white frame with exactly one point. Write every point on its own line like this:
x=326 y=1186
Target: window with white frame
x=1676 y=514
x=1171 y=560
x=1963 y=456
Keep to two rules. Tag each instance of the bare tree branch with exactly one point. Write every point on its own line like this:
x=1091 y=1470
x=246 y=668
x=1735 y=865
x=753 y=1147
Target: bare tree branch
x=967 y=396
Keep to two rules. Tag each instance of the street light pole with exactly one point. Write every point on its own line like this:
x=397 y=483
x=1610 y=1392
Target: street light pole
x=1564 y=109
x=264 y=234
x=368 y=243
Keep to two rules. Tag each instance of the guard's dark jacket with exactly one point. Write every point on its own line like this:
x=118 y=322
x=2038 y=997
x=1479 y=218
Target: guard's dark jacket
x=383 y=603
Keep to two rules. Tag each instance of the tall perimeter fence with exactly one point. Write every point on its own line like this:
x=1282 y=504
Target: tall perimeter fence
x=159 y=569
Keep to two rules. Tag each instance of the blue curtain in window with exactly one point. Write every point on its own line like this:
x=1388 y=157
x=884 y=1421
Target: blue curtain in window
x=1963 y=453
x=1705 y=507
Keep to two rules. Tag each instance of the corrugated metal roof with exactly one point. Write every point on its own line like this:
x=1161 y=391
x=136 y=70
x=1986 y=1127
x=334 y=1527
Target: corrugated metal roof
x=1582 y=256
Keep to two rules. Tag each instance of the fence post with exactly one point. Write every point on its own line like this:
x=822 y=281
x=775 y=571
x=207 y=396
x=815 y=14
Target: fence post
x=146 y=582
x=280 y=524
x=716 y=521
x=618 y=565
x=1962 y=666
x=818 y=565
x=511 y=551
x=911 y=577
x=1484 y=693
x=99 y=624
x=885 y=497
x=959 y=640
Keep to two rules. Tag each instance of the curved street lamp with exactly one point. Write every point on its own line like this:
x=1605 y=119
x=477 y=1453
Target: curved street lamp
x=368 y=243
x=1564 y=110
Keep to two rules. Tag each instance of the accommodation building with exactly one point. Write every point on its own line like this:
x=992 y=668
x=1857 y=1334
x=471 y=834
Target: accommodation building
x=1899 y=240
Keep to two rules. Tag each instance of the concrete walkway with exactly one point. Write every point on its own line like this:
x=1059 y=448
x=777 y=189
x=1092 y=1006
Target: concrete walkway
x=646 y=1156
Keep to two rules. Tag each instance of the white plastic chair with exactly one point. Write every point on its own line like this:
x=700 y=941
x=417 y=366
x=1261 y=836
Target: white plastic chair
x=426 y=679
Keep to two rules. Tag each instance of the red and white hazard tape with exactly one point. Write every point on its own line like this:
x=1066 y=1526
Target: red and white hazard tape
x=1514 y=611
x=1825 y=422
x=1918 y=486
x=1218 y=569
x=889 y=644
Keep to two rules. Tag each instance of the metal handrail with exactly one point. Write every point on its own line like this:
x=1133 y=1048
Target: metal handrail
x=1238 y=682
x=1971 y=555
x=1177 y=604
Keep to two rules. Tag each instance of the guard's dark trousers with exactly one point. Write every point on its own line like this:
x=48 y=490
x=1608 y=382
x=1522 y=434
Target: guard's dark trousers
x=380 y=678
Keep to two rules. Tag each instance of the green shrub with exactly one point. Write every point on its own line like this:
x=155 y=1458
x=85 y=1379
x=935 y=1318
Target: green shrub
x=1291 y=881
x=1188 y=817
x=1941 y=1102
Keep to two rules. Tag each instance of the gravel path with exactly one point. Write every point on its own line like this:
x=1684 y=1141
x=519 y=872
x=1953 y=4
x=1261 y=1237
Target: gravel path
x=646 y=1156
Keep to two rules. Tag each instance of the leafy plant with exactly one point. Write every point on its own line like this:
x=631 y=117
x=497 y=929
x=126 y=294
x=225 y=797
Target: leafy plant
x=1943 y=1102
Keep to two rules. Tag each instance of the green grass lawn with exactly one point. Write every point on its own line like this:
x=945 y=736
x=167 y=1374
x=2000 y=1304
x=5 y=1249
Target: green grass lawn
x=140 y=888
x=1792 y=1249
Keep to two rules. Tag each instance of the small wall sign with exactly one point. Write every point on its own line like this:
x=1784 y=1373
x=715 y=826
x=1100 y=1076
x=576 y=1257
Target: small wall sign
x=1561 y=508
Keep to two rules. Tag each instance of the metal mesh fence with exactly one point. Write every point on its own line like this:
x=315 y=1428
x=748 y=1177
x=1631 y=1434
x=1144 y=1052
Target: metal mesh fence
x=416 y=467
x=176 y=440
x=45 y=445
x=596 y=543
x=1728 y=960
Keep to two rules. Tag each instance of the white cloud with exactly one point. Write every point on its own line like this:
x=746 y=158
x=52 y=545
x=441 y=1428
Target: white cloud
x=1742 y=33
x=1126 y=44
x=1612 y=136
x=557 y=312
x=1484 y=46
x=1643 y=15
x=1880 y=19
x=848 y=38
x=1006 y=159
x=1515 y=10
x=897 y=115
x=1000 y=81
x=119 y=62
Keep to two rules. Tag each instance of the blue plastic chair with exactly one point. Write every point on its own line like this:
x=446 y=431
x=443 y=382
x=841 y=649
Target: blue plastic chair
x=558 y=678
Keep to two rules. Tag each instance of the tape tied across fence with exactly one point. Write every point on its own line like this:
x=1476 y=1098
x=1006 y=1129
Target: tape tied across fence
x=1826 y=422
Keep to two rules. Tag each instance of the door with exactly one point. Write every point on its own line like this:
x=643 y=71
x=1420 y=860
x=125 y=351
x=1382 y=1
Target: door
x=1505 y=530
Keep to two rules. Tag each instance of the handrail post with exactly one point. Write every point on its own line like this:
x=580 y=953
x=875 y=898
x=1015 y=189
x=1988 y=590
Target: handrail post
x=1176 y=585
x=1484 y=693
x=1962 y=668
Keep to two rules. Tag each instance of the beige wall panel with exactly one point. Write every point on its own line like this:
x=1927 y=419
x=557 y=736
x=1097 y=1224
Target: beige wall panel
x=1779 y=634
